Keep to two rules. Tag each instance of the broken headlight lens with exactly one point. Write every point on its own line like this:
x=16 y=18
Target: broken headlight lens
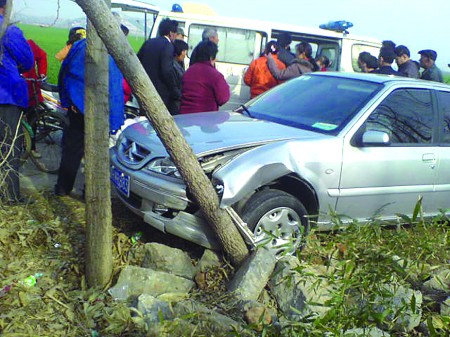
x=164 y=166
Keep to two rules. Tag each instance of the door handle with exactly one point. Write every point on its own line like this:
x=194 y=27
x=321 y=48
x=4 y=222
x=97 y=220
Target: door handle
x=429 y=158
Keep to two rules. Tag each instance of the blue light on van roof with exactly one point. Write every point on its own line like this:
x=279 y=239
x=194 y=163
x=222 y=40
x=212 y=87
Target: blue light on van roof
x=177 y=8
x=337 y=26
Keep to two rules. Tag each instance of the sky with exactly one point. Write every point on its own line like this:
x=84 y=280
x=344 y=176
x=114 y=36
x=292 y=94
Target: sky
x=416 y=24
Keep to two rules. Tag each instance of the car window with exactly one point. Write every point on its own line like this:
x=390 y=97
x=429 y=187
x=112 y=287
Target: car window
x=235 y=46
x=319 y=103
x=406 y=115
x=444 y=107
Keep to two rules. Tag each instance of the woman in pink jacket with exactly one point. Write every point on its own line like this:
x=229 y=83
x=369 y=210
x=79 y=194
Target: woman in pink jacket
x=203 y=87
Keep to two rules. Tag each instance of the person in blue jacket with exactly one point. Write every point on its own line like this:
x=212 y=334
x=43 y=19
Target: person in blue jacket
x=71 y=87
x=15 y=57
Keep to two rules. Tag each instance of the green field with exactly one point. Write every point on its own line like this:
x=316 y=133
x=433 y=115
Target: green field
x=53 y=40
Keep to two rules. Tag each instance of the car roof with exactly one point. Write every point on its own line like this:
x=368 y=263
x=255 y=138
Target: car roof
x=379 y=78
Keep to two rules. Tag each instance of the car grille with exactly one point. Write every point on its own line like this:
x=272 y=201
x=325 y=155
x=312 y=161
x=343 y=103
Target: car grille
x=132 y=152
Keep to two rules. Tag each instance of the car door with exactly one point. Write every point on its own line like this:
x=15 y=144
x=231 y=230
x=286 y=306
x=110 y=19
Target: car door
x=442 y=185
x=385 y=180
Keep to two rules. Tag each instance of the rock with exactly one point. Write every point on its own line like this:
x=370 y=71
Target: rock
x=209 y=260
x=258 y=317
x=173 y=297
x=439 y=281
x=445 y=307
x=171 y=260
x=366 y=332
x=135 y=281
x=253 y=275
x=404 y=306
x=153 y=309
x=294 y=286
x=207 y=320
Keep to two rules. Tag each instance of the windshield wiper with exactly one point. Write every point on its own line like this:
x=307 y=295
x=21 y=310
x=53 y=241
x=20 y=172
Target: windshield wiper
x=244 y=108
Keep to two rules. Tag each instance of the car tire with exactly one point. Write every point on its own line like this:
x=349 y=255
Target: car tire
x=277 y=219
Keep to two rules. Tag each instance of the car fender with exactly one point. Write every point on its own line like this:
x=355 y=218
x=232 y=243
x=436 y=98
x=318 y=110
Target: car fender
x=262 y=165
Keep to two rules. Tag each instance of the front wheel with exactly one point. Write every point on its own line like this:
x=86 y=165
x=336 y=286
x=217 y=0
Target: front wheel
x=49 y=128
x=277 y=219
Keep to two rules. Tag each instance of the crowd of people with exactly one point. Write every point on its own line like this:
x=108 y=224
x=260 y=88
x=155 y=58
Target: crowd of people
x=406 y=66
x=199 y=88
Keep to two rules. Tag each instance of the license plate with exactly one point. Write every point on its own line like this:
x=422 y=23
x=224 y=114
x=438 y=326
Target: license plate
x=120 y=180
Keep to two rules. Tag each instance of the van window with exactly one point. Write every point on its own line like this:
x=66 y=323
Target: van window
x=235 y=45
x=359 y=48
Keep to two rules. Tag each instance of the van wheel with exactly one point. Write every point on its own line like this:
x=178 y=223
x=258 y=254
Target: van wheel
x=277 y=219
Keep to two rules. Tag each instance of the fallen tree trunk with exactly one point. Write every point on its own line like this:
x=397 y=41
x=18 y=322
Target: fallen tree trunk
x=181 y=153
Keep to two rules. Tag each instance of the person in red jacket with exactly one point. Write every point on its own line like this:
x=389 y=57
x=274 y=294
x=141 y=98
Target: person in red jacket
x=204 y=88
x=38 y=71
x=258 y=76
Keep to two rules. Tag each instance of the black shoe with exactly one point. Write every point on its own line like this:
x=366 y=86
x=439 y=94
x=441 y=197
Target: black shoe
x=60 y=192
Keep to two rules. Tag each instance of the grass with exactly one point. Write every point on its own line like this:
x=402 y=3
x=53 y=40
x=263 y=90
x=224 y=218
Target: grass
x=49 y=237
x=52 y=40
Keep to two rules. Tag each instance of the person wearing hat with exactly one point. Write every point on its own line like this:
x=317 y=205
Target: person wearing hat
x=180 y=34
x=427 y=61
x=75 y=34
x=406 y=66
x=385 y=60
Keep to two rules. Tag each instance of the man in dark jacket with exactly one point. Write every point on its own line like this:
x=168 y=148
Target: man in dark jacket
x=385 y=60
x=156 y=56
x=427 y=62
x=15 y=57
x=284 y=54
x=406 y=66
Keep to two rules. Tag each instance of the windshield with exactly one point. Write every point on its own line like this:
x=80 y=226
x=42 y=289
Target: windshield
x=319 y=103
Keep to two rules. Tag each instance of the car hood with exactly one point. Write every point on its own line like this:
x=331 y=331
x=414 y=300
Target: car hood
x=212 y=132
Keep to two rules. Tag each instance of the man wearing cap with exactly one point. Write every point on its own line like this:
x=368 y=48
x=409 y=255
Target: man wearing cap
x=180 y=34
x=385 y=60
x=406 y=66
x=427 y=62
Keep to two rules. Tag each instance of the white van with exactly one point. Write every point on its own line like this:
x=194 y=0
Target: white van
x=243 y=40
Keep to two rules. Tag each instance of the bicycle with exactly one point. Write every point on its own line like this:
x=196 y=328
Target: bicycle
x=42 y=130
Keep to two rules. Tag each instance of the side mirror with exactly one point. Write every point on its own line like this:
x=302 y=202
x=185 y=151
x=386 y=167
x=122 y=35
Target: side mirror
x=375 y=138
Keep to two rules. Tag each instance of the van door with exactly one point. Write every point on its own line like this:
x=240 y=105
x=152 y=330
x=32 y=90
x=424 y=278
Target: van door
x=237 y=49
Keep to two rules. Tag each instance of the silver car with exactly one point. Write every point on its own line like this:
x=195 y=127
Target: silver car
x=359 y=145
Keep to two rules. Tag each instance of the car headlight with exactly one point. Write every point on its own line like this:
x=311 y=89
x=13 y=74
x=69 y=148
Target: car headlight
x=164 y=166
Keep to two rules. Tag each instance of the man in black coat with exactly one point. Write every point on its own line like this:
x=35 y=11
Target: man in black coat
x=156 y=55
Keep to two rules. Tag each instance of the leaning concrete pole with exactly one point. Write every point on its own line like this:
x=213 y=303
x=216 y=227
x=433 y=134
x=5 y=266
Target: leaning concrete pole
x=194 y=177
x=98 y=190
